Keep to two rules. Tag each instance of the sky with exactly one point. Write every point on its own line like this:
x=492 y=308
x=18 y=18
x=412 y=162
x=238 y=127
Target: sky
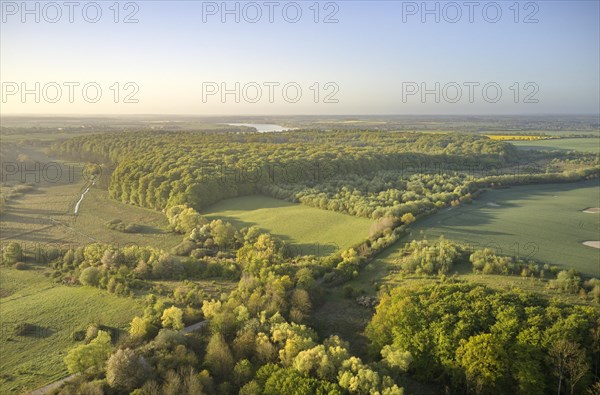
x=303 y=57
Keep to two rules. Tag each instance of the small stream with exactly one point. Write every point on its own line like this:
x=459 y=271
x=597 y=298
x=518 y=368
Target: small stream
x=81 y=198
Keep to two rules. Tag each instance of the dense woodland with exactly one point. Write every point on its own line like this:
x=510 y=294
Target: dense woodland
x=368 y=174
x=468 y=337
x=158 y=170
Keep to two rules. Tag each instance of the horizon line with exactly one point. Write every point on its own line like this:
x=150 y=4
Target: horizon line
x=294 y=115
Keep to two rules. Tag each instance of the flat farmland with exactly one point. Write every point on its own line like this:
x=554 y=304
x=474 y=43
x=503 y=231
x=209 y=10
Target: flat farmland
x=586 y=144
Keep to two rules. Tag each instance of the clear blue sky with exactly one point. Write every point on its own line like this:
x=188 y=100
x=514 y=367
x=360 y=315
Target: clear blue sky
x=370 y=53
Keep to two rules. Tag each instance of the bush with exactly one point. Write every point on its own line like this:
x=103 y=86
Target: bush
x=172 y=318
x=142 y=329
x=167 y=267
x=349 y=291
x=91 y=333
x=90 y=276
x=92 y=356
x=124 y=227
x=126 y=370
x=78 y=335
x=424 y=257
x=566 y=281
x=12 y=253
x=184 y=248
x=22 y=188
x=488 y=262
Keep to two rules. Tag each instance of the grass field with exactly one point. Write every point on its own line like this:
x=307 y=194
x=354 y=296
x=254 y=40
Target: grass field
x=45 y=215
x=540 y=222
x=516 y=137
x=567 y=144
x=545 y=132
x=29 y=362
x=308 y=230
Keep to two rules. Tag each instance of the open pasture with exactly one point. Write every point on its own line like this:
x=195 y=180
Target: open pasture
x=585 y=144
x=307 y=230
x=545 y=223
x=56 y=311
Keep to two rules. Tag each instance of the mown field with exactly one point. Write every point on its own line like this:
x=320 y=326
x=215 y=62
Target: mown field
x=539 y=222
x=31 y=361
x=308 y=230
x=565 y=144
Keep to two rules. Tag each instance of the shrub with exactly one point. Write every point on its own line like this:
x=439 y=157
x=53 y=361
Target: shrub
x=566 y=281
x=90 y=276
x=172 y=318
x=167 y=267
x=429 y=258
x=184 y=248
x=349 y=291
x=124 y=227
x=12 y=253
x=126 y=370
x=78 y=335
x=90 y=356
x=488 y=262
x=142 y=328
x=91 y=333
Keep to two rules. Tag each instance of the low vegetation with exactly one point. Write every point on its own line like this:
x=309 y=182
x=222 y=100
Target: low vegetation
x=118 y=225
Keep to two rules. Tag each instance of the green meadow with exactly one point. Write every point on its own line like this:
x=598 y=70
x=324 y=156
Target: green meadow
x=591 y=144
x=308 y=230
x=28 y=296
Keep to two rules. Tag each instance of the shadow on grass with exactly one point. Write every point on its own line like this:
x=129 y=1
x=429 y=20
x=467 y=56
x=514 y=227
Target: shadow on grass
x=33 y=331
x=247 y=203
x=150 y=230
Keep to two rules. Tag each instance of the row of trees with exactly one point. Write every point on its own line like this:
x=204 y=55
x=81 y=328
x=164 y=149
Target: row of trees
x=383 y=194
x=438 y=257
x=371 y=174
x=415 y=194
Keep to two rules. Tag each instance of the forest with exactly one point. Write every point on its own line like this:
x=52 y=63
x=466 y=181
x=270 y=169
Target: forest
x=363 y=173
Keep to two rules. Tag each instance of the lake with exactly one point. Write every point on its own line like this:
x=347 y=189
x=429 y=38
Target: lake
x=262 y=127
